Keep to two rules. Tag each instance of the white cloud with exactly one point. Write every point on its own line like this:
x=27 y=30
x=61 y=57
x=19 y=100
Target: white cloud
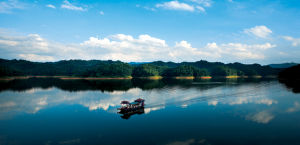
x=67 y=5
x=120 y=41
x=205 y=3
x=31 y=43
x=175 y=5
x=185 y=52
x=34 y=57
x=247 y=100
x=191 y=6
x=261 y=117
x=125 y=48
x=148 y=110
x=101 y=13
x=294 y=108
x=244 y=51
x=34 y=47
x=51 y=6
x=100 y=106
x=295 y=41
x=9 y=42
x=9 y=5
x=213 y=102
x=187 y=142
x=259 y=31
x=201 y=9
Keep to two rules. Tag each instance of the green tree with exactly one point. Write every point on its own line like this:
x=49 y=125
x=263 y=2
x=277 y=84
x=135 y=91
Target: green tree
x=223 y=71
x=147 y=70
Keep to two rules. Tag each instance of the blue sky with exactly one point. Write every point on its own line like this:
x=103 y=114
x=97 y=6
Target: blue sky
x=251 y=31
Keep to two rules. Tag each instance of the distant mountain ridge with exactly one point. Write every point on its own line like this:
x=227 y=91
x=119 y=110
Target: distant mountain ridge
x=283 y=65
x=279 y=65
x=137 y=63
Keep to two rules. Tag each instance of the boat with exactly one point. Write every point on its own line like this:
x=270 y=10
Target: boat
x=132 y=107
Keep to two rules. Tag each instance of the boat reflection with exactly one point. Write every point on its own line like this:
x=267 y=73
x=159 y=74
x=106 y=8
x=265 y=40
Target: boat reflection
x=127 y=115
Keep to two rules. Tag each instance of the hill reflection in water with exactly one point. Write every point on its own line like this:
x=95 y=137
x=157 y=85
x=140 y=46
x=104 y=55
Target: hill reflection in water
x=116 y=85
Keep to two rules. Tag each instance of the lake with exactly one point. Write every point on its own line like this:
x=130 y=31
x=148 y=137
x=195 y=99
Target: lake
x=40 y=111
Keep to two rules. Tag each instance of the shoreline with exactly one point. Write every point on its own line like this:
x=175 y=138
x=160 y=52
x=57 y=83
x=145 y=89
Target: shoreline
x=65 y=78
x=128 y=78
x=94 y=78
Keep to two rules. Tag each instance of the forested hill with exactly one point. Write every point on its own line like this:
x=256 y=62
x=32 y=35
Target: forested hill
x=291 y=78
x=99 y=68
x=292 y=73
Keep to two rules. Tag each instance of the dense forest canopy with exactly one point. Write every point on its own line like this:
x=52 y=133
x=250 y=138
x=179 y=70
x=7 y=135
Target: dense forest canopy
x=145 y=70
x=185 y=70
x=99 y=68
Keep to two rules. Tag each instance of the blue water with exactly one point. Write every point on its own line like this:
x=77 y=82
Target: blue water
x=177 y=112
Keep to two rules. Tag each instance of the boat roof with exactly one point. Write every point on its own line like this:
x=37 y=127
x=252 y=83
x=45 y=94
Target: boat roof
x=139 y=100
x=124 y=102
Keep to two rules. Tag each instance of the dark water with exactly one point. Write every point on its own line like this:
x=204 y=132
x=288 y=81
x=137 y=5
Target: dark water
x=178 y=112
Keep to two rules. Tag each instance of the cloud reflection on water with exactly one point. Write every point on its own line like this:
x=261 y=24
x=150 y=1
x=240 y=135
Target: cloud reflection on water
x=261 y=117
x=35 y=99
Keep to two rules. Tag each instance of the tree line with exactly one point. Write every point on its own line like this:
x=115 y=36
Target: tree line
x=99 y=68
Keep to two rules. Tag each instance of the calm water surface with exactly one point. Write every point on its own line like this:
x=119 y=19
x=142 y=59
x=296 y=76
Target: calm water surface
x=178 y=112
